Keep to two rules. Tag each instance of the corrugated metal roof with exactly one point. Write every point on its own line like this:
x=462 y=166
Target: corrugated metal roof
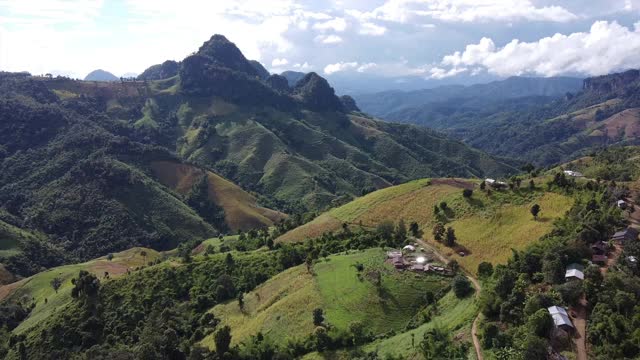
x=560 y=316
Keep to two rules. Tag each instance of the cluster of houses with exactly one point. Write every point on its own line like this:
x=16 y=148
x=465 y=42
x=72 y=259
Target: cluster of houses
x=413 y=259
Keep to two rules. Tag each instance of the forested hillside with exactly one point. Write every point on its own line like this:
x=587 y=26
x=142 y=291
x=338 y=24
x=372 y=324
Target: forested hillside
x=539 y=129
x=90 y=168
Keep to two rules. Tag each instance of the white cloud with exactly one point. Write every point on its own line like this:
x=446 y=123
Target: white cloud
x=404 y=11
x=304 y=67
x=337 y=24
x=328 y=39
x=440 y=73
x=369 y=28
x=606 y=48
x=279 y=62
x=366 y=67
x=341 y=66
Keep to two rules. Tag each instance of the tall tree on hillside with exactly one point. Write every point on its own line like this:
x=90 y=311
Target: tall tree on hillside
x=401 y=232
x=535 y=210
x=451 y=237
x=222 y=339
x=56 y=283
x=318 y=316
x=438 y=232
x=414 y=228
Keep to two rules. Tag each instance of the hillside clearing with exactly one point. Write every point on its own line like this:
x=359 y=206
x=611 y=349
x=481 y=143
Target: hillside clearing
x=38 y=287
x=282 y=307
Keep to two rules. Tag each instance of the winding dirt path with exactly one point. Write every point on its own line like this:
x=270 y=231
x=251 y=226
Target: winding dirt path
x=476 y=285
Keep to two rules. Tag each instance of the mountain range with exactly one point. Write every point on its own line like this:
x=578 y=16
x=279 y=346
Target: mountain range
x=542 y=121
x=219 y=146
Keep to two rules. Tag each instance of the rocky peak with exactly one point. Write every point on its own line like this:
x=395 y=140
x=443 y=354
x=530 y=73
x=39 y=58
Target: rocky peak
x=279 y=83
x=223 y=53
x=316 y=94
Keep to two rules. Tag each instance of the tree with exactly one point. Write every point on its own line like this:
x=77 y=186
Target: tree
x=443 y=205
x=438 y=232
x=535 y=210
x=109 y=256
x=483 y=185
x=229 y=261
x=309 y=262
x=322 y=339
x=414 y=228
x=451 y=237
x=553 y=270
x=540 y=323
x=570 y=292
x=241 y=300
x=86 y=285
x=401 y=232
x=222 y=339
x=461 y=286
x=485 y=269
x=318 y=316
x=467 y=193
x=532 y=185
x=56 y=283
x=385 y=229
x=528 y=168
x=356 y=328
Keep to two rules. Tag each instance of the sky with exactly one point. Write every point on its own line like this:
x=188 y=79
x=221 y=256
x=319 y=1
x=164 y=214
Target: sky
x=432 y=40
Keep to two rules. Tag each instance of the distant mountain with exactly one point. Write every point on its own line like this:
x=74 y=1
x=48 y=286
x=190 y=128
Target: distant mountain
x=101 y=75
x=388 y=103
x=165 y=70
x=543 y=130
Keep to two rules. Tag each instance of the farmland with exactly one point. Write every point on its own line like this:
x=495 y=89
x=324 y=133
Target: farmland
x=487 y=226
x=282 y=307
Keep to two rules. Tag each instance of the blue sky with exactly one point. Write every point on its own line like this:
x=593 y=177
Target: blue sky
x=428 y=39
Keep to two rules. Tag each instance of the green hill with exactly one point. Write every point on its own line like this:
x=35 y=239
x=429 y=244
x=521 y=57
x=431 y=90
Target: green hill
x=38 y=289
x=281 y=308
x=487 y=226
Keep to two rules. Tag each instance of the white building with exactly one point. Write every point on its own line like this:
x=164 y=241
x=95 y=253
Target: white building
x=560 y=317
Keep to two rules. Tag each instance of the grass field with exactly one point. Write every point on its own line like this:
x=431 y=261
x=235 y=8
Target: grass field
x=282 y=307
x=240 y=207
x=412 y=201
x=488 y=227
x=38 y=287
x=454 y=316
x=490 y=235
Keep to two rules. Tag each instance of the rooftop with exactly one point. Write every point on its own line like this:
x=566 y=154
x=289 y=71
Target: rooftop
x=560 y=316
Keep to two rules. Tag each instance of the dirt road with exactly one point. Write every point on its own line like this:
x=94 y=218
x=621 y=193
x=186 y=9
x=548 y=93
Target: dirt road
x=476 y=285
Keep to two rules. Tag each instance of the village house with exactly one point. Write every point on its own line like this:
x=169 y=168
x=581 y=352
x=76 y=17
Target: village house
x=599 y=259
x=398 y=262
x=628 y=234
x=560 y=318
x=409 y=248
x=573 y=173
x=574 y=272
x=600 y=248
x=495 y=184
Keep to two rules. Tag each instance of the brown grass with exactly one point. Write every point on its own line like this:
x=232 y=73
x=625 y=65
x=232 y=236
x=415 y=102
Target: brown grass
x=241 y=209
